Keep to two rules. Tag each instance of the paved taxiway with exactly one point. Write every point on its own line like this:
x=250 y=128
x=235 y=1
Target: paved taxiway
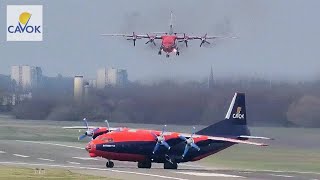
x=74 y=157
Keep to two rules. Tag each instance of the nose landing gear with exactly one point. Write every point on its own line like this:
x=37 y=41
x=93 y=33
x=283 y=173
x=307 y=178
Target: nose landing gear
x=109 y=164
x=167 y=55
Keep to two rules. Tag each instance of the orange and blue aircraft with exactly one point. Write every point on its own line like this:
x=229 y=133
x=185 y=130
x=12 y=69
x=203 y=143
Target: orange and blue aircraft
x=170 y=148
x=168 y=39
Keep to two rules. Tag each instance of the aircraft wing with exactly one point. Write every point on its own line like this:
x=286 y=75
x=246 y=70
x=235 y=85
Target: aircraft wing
x=202 y=37
x=235 y=141
x=90 y=127
x=133 y=35
x=255 y=137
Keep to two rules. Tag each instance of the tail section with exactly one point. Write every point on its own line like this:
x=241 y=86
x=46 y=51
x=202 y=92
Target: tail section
x=235 y=122
x=171 y=23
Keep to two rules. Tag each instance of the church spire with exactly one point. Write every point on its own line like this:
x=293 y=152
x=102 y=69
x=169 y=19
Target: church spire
x=210 y=79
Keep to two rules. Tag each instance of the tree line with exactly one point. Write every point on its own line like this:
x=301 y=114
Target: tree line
x=170 y=102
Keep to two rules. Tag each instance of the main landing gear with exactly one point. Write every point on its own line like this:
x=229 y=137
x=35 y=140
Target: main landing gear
x=109 y=164
x=144 y=164
x=170 y=165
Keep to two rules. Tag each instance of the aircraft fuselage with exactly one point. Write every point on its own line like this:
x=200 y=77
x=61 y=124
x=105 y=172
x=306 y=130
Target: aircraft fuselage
x=139 y=145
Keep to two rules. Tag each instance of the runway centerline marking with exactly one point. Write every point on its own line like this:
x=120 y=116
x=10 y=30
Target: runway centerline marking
x=279 y=175
x=91 y=168
x=2 y=152
x=44 y=159
x=72 y=162
x=210 y=174
x=20 y=155
x=54 y=144
x=86 y=158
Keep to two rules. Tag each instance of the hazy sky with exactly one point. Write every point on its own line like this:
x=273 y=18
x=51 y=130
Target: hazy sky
x=277 y=39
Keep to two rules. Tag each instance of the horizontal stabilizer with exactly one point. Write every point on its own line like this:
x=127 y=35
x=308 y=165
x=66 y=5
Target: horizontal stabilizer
x=255 y=137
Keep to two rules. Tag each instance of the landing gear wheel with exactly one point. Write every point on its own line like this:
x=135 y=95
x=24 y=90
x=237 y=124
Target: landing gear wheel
x=178 y=53
x=169 y=165
x=167 y=55
x=144 y=164
x=159 y=52
x=109 y=164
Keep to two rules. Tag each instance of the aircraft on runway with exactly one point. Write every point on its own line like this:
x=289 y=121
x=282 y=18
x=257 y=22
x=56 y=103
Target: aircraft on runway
x=168 y=39
x=152 y=146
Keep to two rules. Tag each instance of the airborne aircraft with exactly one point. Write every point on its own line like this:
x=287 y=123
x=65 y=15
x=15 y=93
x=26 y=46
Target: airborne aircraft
x=170 y=148
x=168 y=39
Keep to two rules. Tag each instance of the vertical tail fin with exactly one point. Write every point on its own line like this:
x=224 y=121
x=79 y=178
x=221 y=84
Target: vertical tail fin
x=171 y=23
x=235 y=122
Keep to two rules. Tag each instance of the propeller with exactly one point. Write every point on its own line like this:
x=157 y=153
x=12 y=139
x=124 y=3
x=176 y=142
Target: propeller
x=185 y=39
x=134 y=37
x=204 y=40
x=189 y=143
x=151 y=39
x=160 y=141
x=88 y=132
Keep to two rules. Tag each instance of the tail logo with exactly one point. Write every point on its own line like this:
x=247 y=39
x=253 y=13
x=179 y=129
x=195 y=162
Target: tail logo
x=238 y=114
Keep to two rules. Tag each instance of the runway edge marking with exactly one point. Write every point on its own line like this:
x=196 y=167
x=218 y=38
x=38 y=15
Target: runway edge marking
x=91 y=168
x=44 y=159
x=20 y=155
x=54 y=144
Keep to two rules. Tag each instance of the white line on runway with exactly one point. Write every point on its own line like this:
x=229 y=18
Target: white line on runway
x=91 y=168
x=2 y=152
x=62 y=145
x=85 y=158
x=72 y=162
x=43 y=159
x=20 y=155
x=279 y=175
x=211 y=174
x=273 y=171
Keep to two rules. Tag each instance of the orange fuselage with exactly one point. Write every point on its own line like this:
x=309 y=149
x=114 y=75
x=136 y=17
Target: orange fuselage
x=168 y=43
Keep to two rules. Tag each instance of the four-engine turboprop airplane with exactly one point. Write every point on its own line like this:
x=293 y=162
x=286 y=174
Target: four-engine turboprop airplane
x=168 y=39
x=152 y=146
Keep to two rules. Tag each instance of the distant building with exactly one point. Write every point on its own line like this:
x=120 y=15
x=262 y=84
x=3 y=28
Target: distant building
x=78 y=88
x=93 y=83
x=211 y=80
x=111 y=77
x=26 y=77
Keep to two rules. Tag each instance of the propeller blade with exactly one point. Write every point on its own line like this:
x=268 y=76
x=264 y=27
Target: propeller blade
x=154 y=43
x=82 y=136
x=107 y=124
x=85 y=122
x=186 y=149
x=195 y=146
x=186 y=42
x=156 y=148
x=201 y=44
x=163 y=129
x=207 y=42
x=147 y=42
x=183 y=138
x=166 y=145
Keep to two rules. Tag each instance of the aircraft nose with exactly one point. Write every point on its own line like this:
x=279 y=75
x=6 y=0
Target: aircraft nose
x=90 y=148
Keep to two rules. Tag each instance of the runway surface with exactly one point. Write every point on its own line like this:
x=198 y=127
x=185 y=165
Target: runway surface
x=39 y=154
